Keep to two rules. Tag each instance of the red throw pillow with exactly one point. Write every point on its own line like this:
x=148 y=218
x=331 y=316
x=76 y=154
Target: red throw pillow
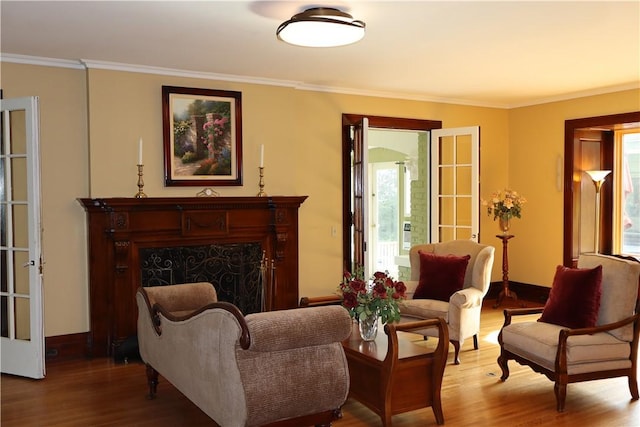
x=440 y=276
x=574 y=299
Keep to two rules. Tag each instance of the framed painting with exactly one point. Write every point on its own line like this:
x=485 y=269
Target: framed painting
x=202 y=133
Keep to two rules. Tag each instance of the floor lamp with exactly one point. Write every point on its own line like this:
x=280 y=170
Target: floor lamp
x=598 y=177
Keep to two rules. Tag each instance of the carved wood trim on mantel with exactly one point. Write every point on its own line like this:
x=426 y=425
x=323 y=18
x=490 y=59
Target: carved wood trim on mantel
x=119 y=227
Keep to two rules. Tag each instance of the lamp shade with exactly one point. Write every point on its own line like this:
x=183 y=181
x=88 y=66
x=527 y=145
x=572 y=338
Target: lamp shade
x=598 y=175
x=321 y=27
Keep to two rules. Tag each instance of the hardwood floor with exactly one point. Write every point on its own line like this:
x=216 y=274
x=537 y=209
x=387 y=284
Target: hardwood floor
x=100 y=392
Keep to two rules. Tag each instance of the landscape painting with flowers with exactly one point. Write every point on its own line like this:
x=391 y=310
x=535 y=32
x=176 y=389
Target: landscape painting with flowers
x=202 y=136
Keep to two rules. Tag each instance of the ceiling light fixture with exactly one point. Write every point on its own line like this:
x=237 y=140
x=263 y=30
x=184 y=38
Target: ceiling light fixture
x=321 y=27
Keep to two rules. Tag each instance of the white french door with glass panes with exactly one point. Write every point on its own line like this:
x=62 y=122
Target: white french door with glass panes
x=455 y=183
x=22 y=337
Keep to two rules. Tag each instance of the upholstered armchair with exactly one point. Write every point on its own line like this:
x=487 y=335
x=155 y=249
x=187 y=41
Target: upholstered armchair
x=449 y=280
x=588 y=328
x=265 y=369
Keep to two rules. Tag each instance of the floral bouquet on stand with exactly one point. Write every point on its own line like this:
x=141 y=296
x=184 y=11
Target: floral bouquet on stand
x=504 y=205
x=369 y=302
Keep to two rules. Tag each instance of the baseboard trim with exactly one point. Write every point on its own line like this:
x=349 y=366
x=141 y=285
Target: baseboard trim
x=66 y=347
x=524 y=291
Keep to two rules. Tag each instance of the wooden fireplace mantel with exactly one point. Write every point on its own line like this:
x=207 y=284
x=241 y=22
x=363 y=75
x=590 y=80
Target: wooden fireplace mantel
x=119 y=227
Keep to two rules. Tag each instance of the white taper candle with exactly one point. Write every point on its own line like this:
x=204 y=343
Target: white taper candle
x=140 y=151
x=261 y=155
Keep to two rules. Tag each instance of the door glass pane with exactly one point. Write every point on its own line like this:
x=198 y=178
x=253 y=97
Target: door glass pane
x=18 y=183
x=446 y=181
x=446 y=234
x=446 y=211
x=21 y=272
x=463 y=180
x=463 y=211
x=20 y=226
x=18 y=139
x=4 y=316
x=463 y=233
x=3 y=268
x=463 y=150
x=446 y=150
x=23 y=319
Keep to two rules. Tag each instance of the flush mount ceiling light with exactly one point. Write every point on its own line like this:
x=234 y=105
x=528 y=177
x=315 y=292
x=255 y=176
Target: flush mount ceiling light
x=321 y=27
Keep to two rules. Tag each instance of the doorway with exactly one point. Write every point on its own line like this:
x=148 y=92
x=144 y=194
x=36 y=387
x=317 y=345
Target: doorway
x=429 y=191
x=589 y=144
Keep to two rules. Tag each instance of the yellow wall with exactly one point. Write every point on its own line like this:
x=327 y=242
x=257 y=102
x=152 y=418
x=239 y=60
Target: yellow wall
x=64 y=177
x=536 y=141
x=98 y=115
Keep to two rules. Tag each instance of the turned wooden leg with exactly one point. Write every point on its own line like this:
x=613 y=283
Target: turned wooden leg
x=633 y=386
x=437 y=409
x=475 y=341
x=561 y=395
x=456 y=352
x=152 y=380
x=502 y=362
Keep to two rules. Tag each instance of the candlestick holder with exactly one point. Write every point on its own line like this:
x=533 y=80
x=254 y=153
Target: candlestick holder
x=261 y=193
x=140 y=193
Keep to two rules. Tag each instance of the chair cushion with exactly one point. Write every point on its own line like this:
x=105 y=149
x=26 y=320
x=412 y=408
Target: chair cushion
x=574 y=298
x=538 y=342
x=440 y=276
x=424 y=308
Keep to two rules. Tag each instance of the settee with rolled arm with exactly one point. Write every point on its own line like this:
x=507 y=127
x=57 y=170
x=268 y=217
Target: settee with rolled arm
x=284 y=368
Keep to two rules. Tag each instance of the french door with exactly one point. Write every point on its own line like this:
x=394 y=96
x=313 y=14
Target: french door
x=455 y=184
x=22 y=337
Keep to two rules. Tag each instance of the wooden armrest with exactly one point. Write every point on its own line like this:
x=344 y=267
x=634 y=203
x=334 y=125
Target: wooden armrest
x=509 y=312
x=320 y=301
x=245 y=339
x=561 y=355
x=441 y=351
x=418 y=324
x=566 y=333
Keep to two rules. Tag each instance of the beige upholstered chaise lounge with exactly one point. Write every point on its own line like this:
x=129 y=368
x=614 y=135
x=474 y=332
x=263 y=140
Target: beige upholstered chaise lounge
x=284 y=368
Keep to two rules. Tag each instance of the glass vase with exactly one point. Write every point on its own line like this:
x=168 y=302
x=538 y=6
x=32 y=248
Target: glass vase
x=368 y=327
x=504 y=224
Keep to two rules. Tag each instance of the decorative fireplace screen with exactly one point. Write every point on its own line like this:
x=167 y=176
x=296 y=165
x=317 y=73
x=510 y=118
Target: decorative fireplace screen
x=233 y=269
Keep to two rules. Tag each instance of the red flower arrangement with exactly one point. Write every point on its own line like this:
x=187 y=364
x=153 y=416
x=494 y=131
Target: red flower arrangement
x=378 y=298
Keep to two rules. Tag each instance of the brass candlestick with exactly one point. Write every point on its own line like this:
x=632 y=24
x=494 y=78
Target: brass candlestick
x=261 y=193
x=140 y=193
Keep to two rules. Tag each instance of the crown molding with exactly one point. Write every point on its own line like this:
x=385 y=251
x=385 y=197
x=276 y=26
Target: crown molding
x=135 y=68
x=42 y=61
x=579 y=94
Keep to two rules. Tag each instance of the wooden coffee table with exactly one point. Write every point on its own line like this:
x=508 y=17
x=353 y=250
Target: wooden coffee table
x=392 y=374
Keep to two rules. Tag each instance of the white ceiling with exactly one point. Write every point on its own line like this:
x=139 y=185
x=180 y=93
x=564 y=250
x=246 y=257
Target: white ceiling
x=501 y=53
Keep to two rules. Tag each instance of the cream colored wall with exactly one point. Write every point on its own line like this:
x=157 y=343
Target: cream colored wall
x=536 y=142
x=64 y=172
x=301 y=131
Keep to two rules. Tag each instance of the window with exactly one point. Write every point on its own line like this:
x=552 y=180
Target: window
x=626 y=235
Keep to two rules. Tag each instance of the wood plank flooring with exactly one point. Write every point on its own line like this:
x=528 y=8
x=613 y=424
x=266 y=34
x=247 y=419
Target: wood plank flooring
x=100 y=392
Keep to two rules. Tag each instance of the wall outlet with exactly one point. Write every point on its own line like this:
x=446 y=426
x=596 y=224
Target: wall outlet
x=334 y=231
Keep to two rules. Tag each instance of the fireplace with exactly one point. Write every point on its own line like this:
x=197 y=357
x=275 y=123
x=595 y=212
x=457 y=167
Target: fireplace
x=159 y=241
x=234 y=269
